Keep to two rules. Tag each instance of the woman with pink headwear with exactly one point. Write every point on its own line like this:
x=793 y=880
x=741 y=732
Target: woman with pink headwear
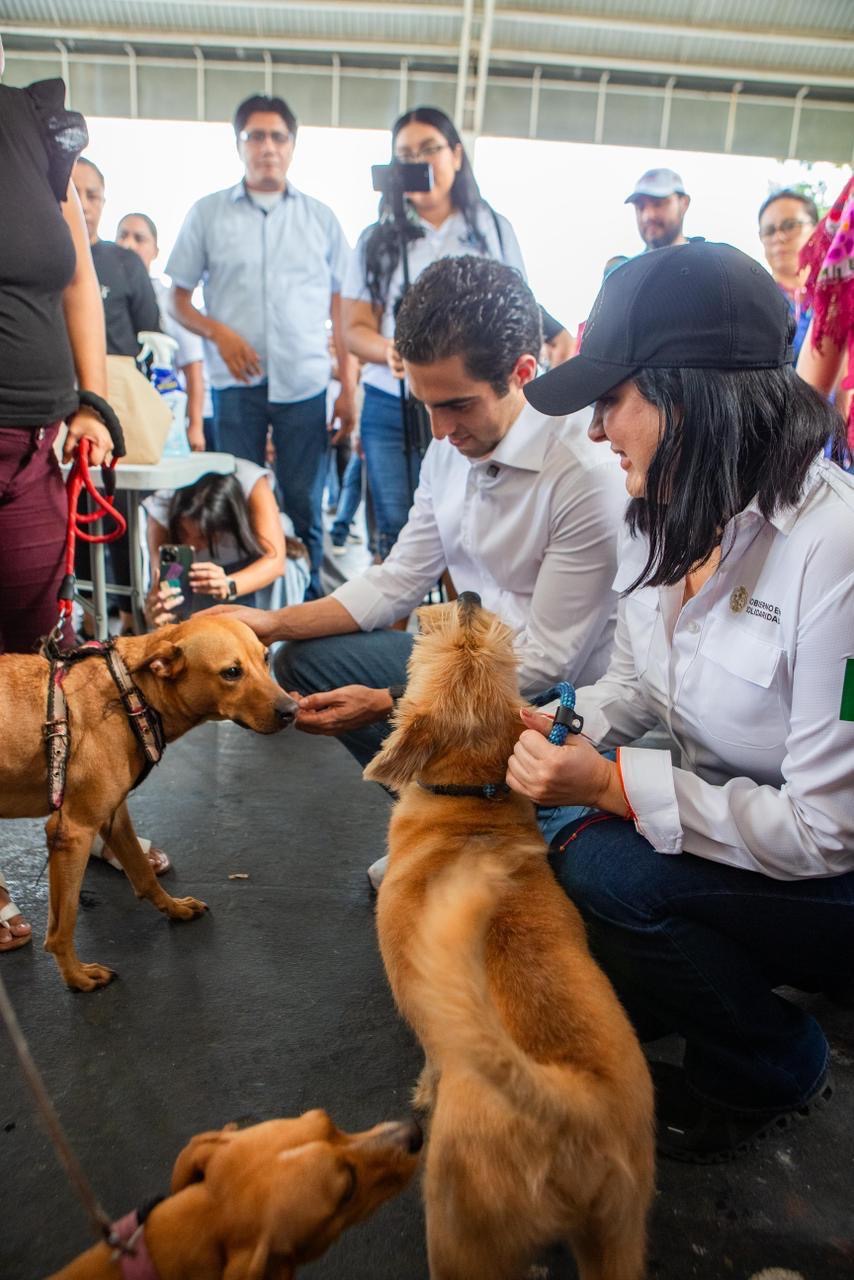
x=828 y=348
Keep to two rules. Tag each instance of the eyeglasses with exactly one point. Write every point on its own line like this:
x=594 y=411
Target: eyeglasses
x=257 y=136
x=786 y=228
x=423 y=153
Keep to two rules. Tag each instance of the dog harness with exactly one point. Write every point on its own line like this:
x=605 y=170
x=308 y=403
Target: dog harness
x=144 y=720
x=129 y=1232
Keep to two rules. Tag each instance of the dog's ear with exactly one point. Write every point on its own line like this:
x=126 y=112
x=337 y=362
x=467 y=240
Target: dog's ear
x=167 y=661
x=193 y=1160
x=404 y=754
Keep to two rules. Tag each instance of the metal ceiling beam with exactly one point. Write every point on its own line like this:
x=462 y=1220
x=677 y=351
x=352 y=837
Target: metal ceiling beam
x=669 y=67
x=483 y=65
x=450 y=53
x=682 y=30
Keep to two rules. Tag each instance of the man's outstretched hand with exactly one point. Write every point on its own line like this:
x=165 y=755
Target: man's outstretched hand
x=341 y=710
x=261 y=621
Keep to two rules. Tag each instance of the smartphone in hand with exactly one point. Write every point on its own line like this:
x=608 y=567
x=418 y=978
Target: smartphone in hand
x=175 y=562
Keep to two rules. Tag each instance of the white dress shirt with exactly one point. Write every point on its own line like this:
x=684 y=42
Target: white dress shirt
x=449 y=240
x=747 y=677
x=532 y=529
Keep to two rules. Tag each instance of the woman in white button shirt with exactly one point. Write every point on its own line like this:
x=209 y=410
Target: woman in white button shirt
x=709 y=879
x=450 y=219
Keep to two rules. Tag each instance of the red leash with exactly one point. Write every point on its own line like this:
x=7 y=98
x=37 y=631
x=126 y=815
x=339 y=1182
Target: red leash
x=80 y=479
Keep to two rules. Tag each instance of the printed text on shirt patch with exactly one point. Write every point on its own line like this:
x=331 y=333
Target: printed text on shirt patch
x=846 y=711
x=762 y=609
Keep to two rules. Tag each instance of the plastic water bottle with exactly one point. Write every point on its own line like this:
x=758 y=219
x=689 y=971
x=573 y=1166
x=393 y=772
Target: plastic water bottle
x=160 y=349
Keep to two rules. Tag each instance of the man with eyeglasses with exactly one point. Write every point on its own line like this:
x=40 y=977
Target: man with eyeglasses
x=271 y=261
x=787 y=219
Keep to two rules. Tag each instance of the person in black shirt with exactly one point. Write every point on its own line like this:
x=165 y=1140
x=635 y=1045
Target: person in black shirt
x=51 y=328
x=130 y=304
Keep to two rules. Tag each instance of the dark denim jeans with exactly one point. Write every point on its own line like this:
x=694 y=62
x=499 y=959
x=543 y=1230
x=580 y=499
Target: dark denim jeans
x=392 y=476
x=242 y=416
x=696 y=947
x=349 y=497
x=376 y=659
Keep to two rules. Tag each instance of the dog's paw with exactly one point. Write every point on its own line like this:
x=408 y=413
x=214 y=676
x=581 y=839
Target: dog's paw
x=89 y=977
x=184 y=908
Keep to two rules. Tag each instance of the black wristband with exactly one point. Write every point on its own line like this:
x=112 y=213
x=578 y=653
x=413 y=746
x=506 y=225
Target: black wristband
x=397 y=691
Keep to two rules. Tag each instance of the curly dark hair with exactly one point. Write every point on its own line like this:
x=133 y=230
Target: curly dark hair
x=476 y=308
x=727 y=436
x=382 y=249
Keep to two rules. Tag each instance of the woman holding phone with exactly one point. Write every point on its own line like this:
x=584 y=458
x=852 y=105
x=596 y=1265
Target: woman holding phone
x=450 y=219
x=232 y=530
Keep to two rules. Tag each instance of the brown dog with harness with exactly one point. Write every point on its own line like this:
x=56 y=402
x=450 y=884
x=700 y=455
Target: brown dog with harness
x=112 y=710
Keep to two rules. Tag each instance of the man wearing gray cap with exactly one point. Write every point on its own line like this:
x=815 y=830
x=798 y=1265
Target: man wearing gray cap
x=661 y=203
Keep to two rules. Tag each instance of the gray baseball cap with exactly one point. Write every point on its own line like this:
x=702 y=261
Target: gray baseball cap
x=657 y=183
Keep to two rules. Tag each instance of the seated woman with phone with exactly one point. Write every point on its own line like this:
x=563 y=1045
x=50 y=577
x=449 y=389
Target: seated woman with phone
x=218 y=539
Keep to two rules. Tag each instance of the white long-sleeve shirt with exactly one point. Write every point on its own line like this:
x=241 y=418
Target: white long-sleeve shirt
x=532 y=529
x=753 y=679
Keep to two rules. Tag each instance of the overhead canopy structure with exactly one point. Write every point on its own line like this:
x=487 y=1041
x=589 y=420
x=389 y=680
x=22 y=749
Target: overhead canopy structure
x=752 y=77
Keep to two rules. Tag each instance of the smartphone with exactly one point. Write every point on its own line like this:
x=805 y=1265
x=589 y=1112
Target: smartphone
x=175 y=561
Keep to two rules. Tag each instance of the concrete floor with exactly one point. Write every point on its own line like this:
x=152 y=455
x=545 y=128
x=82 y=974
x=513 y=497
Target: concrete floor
x=276 y=1001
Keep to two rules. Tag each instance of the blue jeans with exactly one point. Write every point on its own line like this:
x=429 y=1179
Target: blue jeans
x=242 y=416
x=349 y=497
x=376 y=659
x=392 y=475
x=696 y=947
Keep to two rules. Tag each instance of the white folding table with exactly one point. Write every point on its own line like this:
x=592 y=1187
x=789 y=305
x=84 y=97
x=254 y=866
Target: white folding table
x=135 y=480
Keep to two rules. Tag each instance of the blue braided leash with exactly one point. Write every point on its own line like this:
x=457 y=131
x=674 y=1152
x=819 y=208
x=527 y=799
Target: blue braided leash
x=567 y=720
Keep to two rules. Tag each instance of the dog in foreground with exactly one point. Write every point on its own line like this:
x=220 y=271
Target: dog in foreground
x=256 y=1203
x=190 y=672
x=540 y=1100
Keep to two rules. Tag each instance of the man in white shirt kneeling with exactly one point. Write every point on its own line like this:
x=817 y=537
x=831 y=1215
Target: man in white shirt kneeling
x=521 y=508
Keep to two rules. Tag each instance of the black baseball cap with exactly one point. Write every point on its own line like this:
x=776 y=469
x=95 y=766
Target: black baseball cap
x=692 y=306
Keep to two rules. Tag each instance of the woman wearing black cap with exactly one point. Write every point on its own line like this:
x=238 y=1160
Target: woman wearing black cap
x=712 y=875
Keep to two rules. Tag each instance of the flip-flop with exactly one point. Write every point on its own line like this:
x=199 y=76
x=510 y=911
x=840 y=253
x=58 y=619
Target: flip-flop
x=159 y=859
x=7 y=915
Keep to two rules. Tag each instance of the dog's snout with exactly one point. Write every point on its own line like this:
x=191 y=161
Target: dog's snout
x=286 y=710
x=469 y=600
x=410 y=1135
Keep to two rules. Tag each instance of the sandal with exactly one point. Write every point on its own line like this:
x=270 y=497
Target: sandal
x=159 y=859
x=8 y=914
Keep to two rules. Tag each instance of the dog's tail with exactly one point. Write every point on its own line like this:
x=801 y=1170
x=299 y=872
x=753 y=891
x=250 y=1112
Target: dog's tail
x=459 y=1015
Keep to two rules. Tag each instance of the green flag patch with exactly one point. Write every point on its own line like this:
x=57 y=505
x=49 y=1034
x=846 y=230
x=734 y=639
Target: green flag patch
x=846 y=711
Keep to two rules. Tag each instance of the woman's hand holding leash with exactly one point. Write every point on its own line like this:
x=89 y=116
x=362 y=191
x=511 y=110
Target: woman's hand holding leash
x=85 y=424
x=574 y=774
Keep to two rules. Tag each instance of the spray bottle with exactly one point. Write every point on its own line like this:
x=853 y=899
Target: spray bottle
x=158 y=356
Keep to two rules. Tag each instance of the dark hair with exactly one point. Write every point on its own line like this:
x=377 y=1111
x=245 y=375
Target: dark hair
x=382 y=250
x=92 y=165
x=786 y=193
x=727 y=436
x=260 y=102
x=149 y=222
x=476 y=308
x=218 y=505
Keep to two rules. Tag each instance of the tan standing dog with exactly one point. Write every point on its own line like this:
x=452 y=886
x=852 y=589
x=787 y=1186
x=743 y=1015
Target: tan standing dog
x=203 y=669
x=256 y=1203
x=542 y=1113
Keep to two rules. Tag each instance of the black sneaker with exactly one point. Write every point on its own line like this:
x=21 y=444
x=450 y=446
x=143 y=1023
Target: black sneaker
x=696 y=1131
